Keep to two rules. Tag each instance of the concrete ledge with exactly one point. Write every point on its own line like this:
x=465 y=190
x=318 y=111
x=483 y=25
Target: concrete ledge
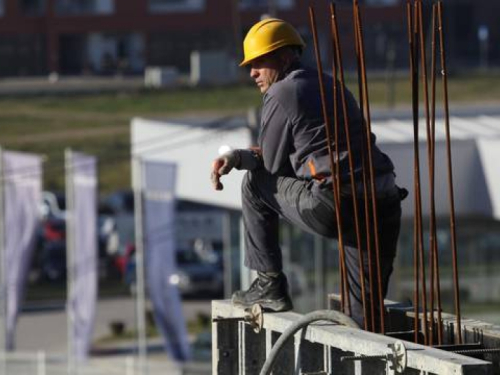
x=340 y=338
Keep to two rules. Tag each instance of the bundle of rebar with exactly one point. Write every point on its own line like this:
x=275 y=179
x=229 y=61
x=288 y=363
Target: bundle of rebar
x=427 y=309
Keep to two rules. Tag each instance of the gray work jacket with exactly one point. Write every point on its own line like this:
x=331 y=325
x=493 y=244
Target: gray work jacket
x=293 y=137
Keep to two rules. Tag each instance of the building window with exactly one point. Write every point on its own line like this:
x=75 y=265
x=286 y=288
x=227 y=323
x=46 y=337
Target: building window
x=267 y=4
x=1 y=8
x=80 y=7
x=32 y=7
x=167 y=6
x=381 y=3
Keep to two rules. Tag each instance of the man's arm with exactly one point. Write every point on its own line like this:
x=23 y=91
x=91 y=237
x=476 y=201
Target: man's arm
x=246 y=159
x=276 y=137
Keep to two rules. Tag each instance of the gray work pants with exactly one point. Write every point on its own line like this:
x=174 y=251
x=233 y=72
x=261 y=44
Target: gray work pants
x=310 y=206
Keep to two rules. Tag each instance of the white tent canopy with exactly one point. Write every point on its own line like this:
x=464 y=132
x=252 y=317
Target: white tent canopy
x=475 y=152
x=193 y=148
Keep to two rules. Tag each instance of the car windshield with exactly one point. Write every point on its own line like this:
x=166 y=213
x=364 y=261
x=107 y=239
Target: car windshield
x=61 y=201
x=187 y=257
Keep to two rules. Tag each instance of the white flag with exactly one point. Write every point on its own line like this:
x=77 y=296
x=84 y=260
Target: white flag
x=82 y=251
x=22 y=185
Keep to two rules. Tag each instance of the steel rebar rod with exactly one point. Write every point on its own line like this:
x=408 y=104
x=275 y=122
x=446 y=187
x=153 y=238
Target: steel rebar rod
x=432 y=233
x=373 y=191
x=369 y=248
x=435 y=281
x=432 y=215
x=412 y=39
x=418 y=189
x=450 y=170
x=346 y=304
x=416 y=303
x=337 y=61
x=336 y=193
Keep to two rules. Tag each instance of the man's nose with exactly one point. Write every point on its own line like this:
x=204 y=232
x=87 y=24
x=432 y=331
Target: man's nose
x=254 y=73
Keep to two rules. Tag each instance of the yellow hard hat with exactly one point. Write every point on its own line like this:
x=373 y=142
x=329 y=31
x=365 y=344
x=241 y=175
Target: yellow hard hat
x=267 y=36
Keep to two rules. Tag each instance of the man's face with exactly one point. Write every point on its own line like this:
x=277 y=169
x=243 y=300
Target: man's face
x=265 y=70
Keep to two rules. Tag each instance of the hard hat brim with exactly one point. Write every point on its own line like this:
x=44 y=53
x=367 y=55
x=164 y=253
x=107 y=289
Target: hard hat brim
x=251 y=58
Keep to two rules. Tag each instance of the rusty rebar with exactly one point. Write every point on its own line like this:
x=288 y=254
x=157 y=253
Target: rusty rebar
x=336 y=180
x=435 y=280
x=418 y=264
x=364 y=168
x=432 y=232
x=337 y=62
x=416 y=303
x=431 y=163
x=343 y=278
x=418 y=189
x=364 y=85
x=450 y=170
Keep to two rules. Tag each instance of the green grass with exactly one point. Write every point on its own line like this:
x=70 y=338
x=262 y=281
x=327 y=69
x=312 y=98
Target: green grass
x=99 y=124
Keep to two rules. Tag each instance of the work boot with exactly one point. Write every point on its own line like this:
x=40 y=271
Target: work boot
x=269 y=291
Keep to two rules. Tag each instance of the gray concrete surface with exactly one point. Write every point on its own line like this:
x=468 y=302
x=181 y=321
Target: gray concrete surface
x=46 y=329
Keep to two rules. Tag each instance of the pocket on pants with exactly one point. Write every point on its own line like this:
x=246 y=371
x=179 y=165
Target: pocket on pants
x=319 y=217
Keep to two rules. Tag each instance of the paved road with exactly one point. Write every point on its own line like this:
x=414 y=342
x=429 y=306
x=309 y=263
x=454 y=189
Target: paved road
x=46 y=330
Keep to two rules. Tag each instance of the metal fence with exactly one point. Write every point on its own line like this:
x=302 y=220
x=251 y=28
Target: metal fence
x=41 y=363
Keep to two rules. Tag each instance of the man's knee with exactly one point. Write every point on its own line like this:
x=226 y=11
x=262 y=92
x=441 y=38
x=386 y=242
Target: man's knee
x=246 y=184
x=250 y=183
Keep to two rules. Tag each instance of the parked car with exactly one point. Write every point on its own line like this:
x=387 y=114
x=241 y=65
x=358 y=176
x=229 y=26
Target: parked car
x=49 y=261
x=194 y=277
x=53 y=260
x=120 y=201
x=53 y=205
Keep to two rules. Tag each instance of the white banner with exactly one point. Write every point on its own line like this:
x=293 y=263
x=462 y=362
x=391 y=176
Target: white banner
x=82 y=251
x=159 y=223
x=22 y=185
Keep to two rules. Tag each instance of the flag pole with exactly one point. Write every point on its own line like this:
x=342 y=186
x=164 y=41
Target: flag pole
x=70 y=209
x=139 y=264
x=3 y=287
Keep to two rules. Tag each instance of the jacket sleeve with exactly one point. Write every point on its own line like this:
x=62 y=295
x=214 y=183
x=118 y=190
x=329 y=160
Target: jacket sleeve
x=275 y=138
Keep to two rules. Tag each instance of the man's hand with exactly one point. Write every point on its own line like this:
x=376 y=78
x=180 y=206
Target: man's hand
x=223 y=165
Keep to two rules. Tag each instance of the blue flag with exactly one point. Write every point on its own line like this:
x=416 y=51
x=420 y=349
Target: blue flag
x=159 y=245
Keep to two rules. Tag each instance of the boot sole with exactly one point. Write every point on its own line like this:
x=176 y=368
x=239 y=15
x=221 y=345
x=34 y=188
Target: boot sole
x=280 y=305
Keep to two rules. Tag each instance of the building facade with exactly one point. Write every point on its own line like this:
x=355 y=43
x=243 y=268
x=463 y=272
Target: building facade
x=111 y=36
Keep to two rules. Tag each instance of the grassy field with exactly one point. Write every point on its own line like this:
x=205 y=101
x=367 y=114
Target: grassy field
x=99 y=124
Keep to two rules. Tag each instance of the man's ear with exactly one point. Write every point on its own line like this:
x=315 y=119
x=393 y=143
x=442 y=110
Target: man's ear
x=286 y=58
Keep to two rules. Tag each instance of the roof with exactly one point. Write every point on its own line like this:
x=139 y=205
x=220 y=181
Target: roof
x=397 y=130
x=475 y=154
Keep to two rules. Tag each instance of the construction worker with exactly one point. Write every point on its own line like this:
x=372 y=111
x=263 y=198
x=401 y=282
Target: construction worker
x=288 y=174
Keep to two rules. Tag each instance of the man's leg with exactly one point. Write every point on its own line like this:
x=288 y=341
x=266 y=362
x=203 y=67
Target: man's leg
x=389 y=218
x=266 y=197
